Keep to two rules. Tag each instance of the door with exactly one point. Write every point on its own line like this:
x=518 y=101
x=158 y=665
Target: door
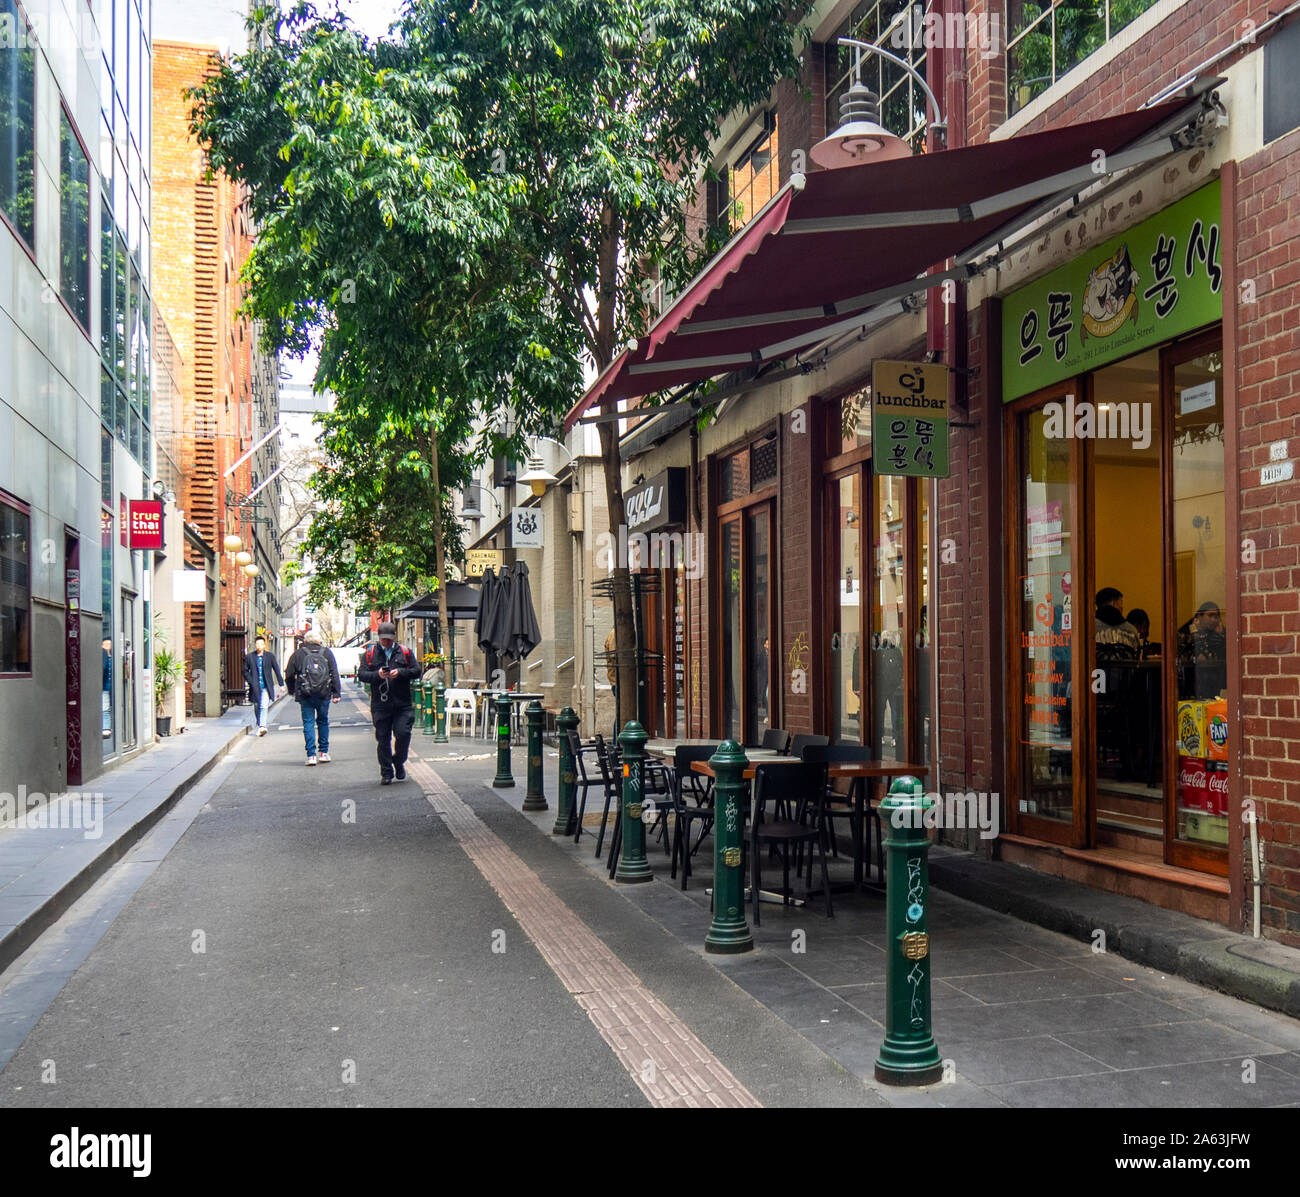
x=128 y=736
x=749 y=688
x=72 y=654
x=1046 y=667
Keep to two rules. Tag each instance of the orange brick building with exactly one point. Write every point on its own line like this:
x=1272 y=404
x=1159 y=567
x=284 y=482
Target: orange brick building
x=202 y=238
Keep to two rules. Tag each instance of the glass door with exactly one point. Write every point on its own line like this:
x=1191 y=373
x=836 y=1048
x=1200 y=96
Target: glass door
x=889 y=621
x=732 y=656
x=1046 y=671
x=128 y=673
x=750 y=689
x=844 y=602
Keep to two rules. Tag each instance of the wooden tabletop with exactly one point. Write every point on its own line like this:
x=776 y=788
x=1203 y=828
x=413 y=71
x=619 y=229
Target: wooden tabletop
x=833 y=768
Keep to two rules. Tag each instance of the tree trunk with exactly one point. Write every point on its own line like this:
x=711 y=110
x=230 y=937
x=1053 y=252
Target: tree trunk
x=439 y=559
x=624 y=622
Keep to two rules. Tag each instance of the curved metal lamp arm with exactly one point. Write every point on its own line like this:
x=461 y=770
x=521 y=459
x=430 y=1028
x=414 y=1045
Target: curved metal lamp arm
x=550 y=440
x=938 y=123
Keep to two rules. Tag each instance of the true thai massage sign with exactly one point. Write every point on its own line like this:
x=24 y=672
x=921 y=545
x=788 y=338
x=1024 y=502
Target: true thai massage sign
x=1155 y=281
x=909 y=419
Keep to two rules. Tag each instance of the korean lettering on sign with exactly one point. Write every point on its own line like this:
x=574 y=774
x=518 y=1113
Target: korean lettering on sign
x=1155 y=281
x=909 y=419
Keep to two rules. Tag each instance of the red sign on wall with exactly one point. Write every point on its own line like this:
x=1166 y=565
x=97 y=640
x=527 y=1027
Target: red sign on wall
x=146 y=524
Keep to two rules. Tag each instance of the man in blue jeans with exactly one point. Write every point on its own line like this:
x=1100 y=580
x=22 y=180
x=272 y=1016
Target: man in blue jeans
x=313 y=679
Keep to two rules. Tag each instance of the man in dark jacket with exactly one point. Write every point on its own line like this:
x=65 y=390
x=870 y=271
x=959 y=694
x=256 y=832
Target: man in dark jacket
x=313 y=679
x=389 y=669
x=261 y=672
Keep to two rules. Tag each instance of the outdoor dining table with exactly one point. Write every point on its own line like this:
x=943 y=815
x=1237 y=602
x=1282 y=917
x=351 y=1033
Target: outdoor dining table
x=516 y=698
x=862 y=773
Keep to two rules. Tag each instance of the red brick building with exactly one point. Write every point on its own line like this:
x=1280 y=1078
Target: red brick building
x=202 y=239
x=970 y=620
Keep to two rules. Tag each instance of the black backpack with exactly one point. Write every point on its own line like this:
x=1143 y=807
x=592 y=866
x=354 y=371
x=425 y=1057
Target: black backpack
x=314 y=680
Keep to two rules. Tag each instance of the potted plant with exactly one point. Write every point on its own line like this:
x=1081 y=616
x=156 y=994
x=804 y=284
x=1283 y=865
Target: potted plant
x=168 y=672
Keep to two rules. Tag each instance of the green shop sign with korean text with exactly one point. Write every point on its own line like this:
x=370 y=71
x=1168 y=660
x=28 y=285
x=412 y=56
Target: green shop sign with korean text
x=1158 y=280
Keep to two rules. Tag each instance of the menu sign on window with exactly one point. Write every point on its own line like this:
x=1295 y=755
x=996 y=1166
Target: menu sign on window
x=909 y=419
x=1157 y=280
x=1046 y=657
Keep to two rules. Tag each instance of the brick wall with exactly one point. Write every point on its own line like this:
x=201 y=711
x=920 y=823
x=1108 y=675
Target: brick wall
x=200 y=242
x=1268 y=396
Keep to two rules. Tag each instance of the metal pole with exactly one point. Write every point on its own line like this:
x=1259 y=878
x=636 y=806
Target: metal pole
x=729 y=932
x=535 y=798
x=909 y=1055
x=440 y=701
x=632 y=863
x=503 y=779
x=566 y=721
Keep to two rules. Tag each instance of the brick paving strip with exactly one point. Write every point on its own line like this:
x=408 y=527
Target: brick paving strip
x=661 y=1054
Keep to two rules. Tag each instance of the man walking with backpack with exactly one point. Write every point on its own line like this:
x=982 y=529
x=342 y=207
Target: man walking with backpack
x=389 y=669
x=313 y=679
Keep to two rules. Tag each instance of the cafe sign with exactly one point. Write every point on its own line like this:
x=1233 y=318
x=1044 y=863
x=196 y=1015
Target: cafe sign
x=658 y=503
x=909 y=419
x=1155 y=281
x=478 y=560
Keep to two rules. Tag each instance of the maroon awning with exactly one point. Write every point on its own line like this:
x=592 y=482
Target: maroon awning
x=841 y=247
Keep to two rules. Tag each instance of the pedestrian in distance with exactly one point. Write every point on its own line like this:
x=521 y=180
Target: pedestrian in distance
x=261 y=672
x=389 y=669
x=313 y=679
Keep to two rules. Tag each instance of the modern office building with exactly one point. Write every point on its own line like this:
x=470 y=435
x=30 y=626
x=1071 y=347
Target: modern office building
x=76 y=442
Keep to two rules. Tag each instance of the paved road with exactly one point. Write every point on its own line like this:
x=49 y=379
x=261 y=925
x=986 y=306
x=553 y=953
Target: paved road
x=309 y=938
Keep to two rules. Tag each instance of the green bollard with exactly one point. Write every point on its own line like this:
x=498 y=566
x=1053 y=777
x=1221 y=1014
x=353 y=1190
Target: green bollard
x=440 y=713
x=535 y=797
x=503 y=780
x=909 y=1055
x=566 y=721
x=426 y=708
x=729 y=932
x=632 y=863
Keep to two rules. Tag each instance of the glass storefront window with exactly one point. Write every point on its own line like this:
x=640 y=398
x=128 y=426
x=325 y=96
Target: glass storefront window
x=888 y=595
x=757 y=625
x=15 y=590
x=854 y=431
x=1045 y=655
x=845 y=633
x=731 y=651
x=1200 y=730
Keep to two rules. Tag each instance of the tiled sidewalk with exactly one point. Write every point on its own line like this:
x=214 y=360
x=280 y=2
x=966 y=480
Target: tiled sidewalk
x=1024 y=1016
x=43 y=870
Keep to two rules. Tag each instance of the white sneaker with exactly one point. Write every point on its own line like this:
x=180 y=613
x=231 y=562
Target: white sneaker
x=324 y=756
x=311 y=760
x=261 y=731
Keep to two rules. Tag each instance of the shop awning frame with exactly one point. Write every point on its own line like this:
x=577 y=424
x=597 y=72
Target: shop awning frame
x=1180 y=124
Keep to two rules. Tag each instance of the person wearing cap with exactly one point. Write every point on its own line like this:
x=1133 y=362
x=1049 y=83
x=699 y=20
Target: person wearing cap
x=313 y=679
x=389 y=669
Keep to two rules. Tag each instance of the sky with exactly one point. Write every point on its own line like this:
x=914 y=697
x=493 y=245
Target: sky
x=221 y=22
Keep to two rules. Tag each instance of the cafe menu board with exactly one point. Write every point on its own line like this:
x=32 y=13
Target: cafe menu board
x=1046 y=657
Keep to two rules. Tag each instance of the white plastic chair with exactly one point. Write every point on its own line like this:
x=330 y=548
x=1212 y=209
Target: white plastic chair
x=461 y=703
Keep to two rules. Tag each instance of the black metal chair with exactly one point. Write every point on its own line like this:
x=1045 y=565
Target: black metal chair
x=840 y=806
x=700 y=789
x=610 y=769
x=803 y=740
x=799 y=790
x=583 y=755
x=776 y=738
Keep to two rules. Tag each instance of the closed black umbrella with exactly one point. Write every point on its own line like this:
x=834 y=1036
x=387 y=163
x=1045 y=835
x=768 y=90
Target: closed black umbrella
x=525 y=635
x=486 y=603
x=502 y=613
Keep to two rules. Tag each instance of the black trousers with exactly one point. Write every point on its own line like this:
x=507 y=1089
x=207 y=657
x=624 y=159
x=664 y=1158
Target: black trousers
x=393 y=733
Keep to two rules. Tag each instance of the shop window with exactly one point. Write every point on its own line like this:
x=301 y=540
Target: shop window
x=106 y=464
x=18 y=121
x=853 y=430
x=15 y=588
x=756 y=173
x=1281 y=82
x=1046 y=38
x=762 y=463
x=899 y=27
x=105 y=278
x=74 y=223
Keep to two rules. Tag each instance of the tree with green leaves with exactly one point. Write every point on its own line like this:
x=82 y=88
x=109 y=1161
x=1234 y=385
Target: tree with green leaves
x=375 y=242
x=600 y=119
